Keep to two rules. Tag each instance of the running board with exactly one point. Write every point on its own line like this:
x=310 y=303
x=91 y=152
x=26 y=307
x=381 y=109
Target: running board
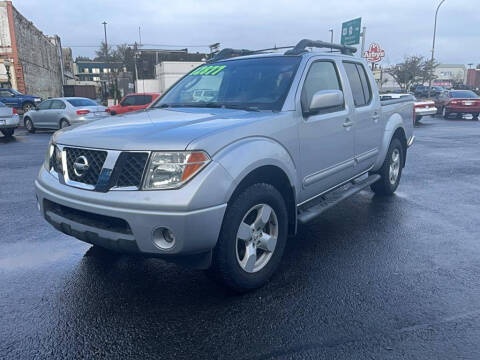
x=328 y=200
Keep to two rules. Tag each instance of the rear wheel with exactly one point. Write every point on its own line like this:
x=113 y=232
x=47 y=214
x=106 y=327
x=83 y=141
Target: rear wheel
x=445 y=113
x=64 y=123
x=7 y=132
x=252 y=239
x=29 y=125
x=391 y=170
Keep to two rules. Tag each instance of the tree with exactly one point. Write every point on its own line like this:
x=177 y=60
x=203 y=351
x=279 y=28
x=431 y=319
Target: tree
x=125 y=55
x=82 y=58
x=413 y=69
x=104 y=53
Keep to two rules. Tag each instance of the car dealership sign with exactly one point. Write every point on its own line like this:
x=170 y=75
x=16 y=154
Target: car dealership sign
x=374 y=53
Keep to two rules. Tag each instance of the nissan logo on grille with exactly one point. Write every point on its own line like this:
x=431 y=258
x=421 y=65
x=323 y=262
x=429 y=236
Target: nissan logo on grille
x=81 y=166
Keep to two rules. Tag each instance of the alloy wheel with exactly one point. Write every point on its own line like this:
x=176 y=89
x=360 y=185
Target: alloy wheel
x=394 y=166
x=257 y=238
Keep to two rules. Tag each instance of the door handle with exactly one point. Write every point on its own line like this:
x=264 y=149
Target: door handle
x=348 y=123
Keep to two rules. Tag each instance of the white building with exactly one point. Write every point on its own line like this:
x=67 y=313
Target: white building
x=448 y=74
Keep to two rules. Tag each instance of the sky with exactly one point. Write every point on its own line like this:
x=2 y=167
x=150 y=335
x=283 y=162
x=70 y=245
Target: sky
x=401 y=27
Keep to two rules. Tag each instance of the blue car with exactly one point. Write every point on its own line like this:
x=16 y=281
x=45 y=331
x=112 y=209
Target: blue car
x=13 y=98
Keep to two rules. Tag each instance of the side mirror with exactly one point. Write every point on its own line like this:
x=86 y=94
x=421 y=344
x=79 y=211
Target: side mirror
x=325 y=99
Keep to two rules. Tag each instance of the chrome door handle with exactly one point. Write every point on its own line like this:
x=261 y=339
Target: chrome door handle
x=348 y=123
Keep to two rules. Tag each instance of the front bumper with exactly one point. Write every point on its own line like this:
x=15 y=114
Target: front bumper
x=195 y=228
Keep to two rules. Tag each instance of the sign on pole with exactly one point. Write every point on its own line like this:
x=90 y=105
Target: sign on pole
x=374 y=53
x=351 y=32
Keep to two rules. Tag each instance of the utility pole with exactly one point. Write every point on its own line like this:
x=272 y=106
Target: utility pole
x=363 y=34
x=433 y=48
x=106 y=58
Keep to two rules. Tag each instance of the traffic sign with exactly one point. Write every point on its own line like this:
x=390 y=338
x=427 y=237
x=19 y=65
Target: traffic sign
x=351 y=32
x=374 y=53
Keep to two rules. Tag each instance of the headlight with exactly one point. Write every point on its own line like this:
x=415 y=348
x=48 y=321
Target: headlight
x=169 y=170
x=37 y=100
x=48 y=156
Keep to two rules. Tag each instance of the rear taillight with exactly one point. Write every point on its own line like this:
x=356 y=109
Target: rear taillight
x=82 y=112
x=454 y=102
x=107 y=110
x=15 y=112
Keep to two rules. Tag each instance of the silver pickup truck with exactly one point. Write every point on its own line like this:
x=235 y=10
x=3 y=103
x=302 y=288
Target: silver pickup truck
x=218 y=181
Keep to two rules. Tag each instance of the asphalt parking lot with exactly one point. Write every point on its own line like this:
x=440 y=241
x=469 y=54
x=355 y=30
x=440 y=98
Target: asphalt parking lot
x=373 y=278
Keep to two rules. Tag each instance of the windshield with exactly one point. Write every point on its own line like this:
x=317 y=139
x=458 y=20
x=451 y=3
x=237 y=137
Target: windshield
x=82 y=102
x=15 y=92
x=250 y=84
x=463 y=94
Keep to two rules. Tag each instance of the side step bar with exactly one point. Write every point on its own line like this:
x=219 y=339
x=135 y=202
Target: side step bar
x=328 y=200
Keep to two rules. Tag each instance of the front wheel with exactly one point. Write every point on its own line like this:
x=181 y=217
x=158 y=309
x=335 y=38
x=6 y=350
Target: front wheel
x=29 y=125
x=391 y=170
x=252 y=239
x=7 y=132
x=27 y=107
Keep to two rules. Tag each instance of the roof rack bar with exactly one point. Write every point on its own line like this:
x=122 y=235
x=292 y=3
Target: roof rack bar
x=228 y=52
x=303 y=44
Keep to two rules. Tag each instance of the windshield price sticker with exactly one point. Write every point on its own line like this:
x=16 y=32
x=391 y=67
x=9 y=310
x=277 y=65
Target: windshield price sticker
x=209 y=70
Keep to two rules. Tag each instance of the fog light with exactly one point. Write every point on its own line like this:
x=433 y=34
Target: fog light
x=163 y=238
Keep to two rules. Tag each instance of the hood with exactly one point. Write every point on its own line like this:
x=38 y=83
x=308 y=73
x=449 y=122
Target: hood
x=154 y=129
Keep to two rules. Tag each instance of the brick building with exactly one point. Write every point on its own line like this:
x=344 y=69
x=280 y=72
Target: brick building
x=30 y=61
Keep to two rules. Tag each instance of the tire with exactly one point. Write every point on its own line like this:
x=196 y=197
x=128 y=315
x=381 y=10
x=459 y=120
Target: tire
x=64 y=123
x=391 y=170
x=29 y=125
x=445 y=113
x=28 y=106
x=418 y=118
x=231 y=265
x=475 y=116
x=7 y=132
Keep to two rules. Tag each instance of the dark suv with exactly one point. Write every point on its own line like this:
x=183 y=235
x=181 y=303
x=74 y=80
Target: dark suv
x=16 y=99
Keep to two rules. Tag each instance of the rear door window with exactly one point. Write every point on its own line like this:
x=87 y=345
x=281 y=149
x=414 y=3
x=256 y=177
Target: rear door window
x=57 y=104
x=359 y=96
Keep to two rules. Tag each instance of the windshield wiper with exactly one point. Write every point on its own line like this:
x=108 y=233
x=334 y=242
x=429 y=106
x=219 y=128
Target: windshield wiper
x=240 y=107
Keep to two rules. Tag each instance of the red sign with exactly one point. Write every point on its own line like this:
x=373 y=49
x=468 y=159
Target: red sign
x=374 y=53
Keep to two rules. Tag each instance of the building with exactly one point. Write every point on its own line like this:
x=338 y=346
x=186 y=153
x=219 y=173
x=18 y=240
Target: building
x=449 y=75
x=385 y=81
x=31 y=62
x=473 y=79
x=91 y=70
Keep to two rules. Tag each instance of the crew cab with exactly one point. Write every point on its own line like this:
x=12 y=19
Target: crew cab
x=458 y=102
x=133 y=102
x=219 y=184
x=17 y=100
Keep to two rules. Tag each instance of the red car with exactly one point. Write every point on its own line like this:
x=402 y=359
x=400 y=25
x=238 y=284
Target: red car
x=458 y=102
x=133 y=102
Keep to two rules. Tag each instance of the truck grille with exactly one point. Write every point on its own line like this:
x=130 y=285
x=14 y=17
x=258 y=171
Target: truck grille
x=95 y=159
x=130 y=167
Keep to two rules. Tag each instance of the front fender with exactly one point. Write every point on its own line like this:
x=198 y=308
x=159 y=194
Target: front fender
x=245 y=155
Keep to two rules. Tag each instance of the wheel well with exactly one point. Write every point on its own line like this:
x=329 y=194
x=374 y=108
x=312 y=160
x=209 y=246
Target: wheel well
x=400 y=135
x=276 y=177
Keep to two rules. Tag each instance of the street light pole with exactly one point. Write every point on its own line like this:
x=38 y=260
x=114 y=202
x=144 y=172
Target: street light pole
x=331 y=38
x=433 y=48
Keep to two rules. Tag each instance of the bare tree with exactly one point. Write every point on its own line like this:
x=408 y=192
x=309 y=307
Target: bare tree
x=413 y=69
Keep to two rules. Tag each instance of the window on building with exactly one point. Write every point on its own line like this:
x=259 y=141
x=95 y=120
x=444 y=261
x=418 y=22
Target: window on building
x=85 y=70
x=96 y=71
x=105 y=70
x=96 y=78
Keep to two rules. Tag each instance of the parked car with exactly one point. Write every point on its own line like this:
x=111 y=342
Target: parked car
x=458 y=102
x=9 y=120
x=422 y=108
x=59 y=113
x=133 y=102
x=422 y=90
x=220 y=184
x=17 y=100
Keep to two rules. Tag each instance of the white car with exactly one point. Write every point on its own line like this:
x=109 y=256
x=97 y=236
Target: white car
x=9 y=120
x=422 y=108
